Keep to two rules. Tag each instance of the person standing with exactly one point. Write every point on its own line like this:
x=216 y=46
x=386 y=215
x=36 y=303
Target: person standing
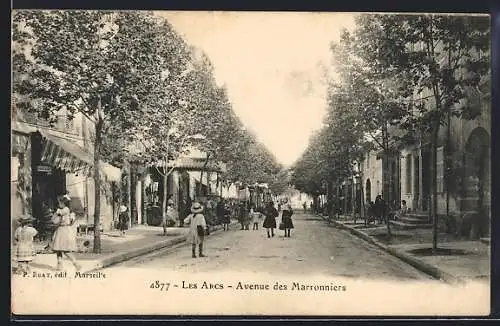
x=24 y=237
x=197 y=227
x=286 y=219
x=64 y=238
x=304 y=205
x=220 y=211
x=256 y=216
x=243 y=216
x=380 y=208
x=226 y=218
x=270 y=221
x=123 y=219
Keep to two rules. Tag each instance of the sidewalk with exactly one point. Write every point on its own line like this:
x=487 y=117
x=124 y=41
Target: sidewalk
x=137 y=241
x=456 y=260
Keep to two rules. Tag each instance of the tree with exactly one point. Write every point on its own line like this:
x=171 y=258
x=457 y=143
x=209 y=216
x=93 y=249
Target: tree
x=368 y=101
x=445 y=56
x=97 y=63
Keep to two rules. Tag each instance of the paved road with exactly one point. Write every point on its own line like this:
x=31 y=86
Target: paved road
x=313 y=248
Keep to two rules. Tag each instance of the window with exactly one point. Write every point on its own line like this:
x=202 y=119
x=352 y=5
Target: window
x=408 y=173
x=440 y=170
x=69 y=125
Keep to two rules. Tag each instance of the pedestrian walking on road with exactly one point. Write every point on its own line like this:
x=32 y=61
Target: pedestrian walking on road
x=286 y=220
x=270 y=221
x=64 y=239
x=197 y=229
x=304 y=205
x=25 y=248
x=256 y=217
x=226 y=218
x=123 y=219
x=244 y=217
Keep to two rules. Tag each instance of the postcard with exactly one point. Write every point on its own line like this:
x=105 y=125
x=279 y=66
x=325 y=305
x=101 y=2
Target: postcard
x=250 y=163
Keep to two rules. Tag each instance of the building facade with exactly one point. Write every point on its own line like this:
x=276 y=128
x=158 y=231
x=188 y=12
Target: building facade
x=47 y=161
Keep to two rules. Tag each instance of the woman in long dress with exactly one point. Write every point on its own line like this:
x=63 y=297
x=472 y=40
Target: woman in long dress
x=270 y=221
x=64 y=239
x=197 y=227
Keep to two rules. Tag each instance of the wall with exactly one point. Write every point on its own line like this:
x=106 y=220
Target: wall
x=16 y=203
x=372 y=169
x=106 y=211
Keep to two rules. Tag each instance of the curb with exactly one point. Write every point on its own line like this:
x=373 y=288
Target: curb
x=114 y=259
x=422 y=266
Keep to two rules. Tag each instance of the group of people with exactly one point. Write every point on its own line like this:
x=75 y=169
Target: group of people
x=379 y=211
x=63 y=241
x=271 y=213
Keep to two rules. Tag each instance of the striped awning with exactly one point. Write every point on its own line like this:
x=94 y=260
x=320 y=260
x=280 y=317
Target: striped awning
x=65 y=154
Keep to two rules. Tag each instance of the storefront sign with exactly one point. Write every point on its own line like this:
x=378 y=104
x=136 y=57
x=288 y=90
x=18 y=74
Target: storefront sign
x=44 y=169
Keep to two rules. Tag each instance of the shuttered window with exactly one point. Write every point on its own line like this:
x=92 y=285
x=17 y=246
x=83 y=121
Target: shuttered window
x=440 y=169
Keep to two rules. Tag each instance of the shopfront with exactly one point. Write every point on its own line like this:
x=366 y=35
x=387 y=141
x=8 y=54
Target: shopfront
x=52 y=157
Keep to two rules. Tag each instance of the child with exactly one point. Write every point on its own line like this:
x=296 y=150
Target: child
x=123 y=219
x=256 y=217
x=197 y=227
x=64 y=238
x=226 y=220
x=25 y=249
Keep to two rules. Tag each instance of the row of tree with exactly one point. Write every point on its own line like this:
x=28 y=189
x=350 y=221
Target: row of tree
x=400 y=79
x=150 y=95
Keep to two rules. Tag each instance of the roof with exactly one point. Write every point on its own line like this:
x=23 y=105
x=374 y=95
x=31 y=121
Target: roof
x=197 y=164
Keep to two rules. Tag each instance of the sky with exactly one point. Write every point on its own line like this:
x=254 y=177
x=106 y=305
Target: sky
x=274 y=66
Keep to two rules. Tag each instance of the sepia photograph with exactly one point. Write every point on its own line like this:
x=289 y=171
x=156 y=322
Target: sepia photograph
x=229 y=163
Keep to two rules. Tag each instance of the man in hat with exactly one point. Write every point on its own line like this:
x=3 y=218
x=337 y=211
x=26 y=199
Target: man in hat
x=197 y=227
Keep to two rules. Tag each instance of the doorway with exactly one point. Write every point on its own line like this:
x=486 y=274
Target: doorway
x=477 y=181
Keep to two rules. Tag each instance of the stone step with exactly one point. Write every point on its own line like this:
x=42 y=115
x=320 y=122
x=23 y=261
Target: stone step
x=486 y=240
x=418 y=215
x=412 y=220
x=406 y=226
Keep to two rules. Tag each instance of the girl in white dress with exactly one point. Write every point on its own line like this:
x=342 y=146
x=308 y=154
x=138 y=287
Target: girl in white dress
x=64 y=239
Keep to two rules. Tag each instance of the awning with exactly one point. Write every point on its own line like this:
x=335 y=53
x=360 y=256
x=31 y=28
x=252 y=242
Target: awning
x=193 y=164
x=65 y=154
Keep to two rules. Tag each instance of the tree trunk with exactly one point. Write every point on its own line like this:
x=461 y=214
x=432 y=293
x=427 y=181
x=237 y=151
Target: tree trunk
x=143 y=201
x=165 y=190
x=129 y=194
x=447 y=165
x=97 y=187
x=385 y=183
x=330 y=199
x=362 y=200
x=353 y=196
x=165 y=179
x=434 y=202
